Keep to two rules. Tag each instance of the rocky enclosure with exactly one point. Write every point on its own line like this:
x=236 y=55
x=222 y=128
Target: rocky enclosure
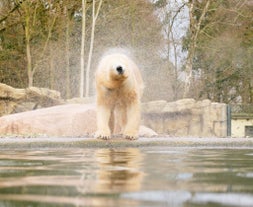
x=185 y=117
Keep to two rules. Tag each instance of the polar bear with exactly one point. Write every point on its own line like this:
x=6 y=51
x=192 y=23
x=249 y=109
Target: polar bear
x=119 y=87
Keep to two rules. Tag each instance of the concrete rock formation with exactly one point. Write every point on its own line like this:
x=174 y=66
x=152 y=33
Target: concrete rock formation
x=14 y=100
x=186 y=117
x=69 y=120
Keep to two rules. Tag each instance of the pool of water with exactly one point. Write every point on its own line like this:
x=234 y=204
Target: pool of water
x=151 y=176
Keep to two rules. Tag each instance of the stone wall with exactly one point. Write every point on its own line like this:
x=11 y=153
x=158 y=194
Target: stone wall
x=186 y=117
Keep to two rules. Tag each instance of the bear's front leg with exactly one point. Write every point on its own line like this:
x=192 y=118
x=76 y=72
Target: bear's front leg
x=103 y=117
x=133 y=121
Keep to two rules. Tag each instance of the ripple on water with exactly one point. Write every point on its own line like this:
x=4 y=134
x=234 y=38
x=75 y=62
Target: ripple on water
x=227 y=199
x=246 y=175
x=154 y=176
x=167 y=197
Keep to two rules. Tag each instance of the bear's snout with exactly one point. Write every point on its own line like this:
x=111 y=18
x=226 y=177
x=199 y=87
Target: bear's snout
x=120 y=69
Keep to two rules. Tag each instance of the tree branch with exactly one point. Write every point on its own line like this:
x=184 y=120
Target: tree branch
x=177 y=12
x=17 y=5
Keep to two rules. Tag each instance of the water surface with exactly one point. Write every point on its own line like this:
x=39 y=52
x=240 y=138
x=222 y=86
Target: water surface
x=152 y=176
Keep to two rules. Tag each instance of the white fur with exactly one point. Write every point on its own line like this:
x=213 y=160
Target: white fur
x=118 y=96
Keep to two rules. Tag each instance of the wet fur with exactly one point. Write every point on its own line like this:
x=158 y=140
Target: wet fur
x=118 y=97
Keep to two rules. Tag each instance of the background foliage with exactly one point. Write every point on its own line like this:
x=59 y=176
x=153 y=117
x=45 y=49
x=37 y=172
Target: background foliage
x=213 y=59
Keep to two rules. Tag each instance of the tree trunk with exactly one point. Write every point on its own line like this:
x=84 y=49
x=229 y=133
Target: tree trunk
x=67 y=55
x=51 y=69
x=94 y=18
x=81 y=89
x=28 y=50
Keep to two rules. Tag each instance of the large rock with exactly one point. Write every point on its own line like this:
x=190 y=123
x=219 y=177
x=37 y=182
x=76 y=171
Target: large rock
x=13 y=100
x=65 y=120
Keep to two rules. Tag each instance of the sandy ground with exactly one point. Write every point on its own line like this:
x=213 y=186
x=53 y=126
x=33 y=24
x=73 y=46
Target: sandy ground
x=17 y=143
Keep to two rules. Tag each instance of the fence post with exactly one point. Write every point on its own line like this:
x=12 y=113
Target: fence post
x=228 y=120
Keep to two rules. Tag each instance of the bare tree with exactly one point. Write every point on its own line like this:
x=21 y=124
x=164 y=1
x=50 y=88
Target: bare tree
x=195 y=28
x=172 y=16
x=31 y=10
x=67 y=50
x=30 y=71
x=81 y=89
x=95 y=13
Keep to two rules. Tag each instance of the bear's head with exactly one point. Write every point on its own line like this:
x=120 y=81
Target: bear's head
x=115 y=70
x=118 y=66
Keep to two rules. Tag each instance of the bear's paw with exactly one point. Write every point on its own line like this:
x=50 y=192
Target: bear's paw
x=131 y=136
x=102 y=135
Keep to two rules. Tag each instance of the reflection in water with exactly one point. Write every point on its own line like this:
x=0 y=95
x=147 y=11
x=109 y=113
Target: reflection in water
x=127 y=177
x=119 y=170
